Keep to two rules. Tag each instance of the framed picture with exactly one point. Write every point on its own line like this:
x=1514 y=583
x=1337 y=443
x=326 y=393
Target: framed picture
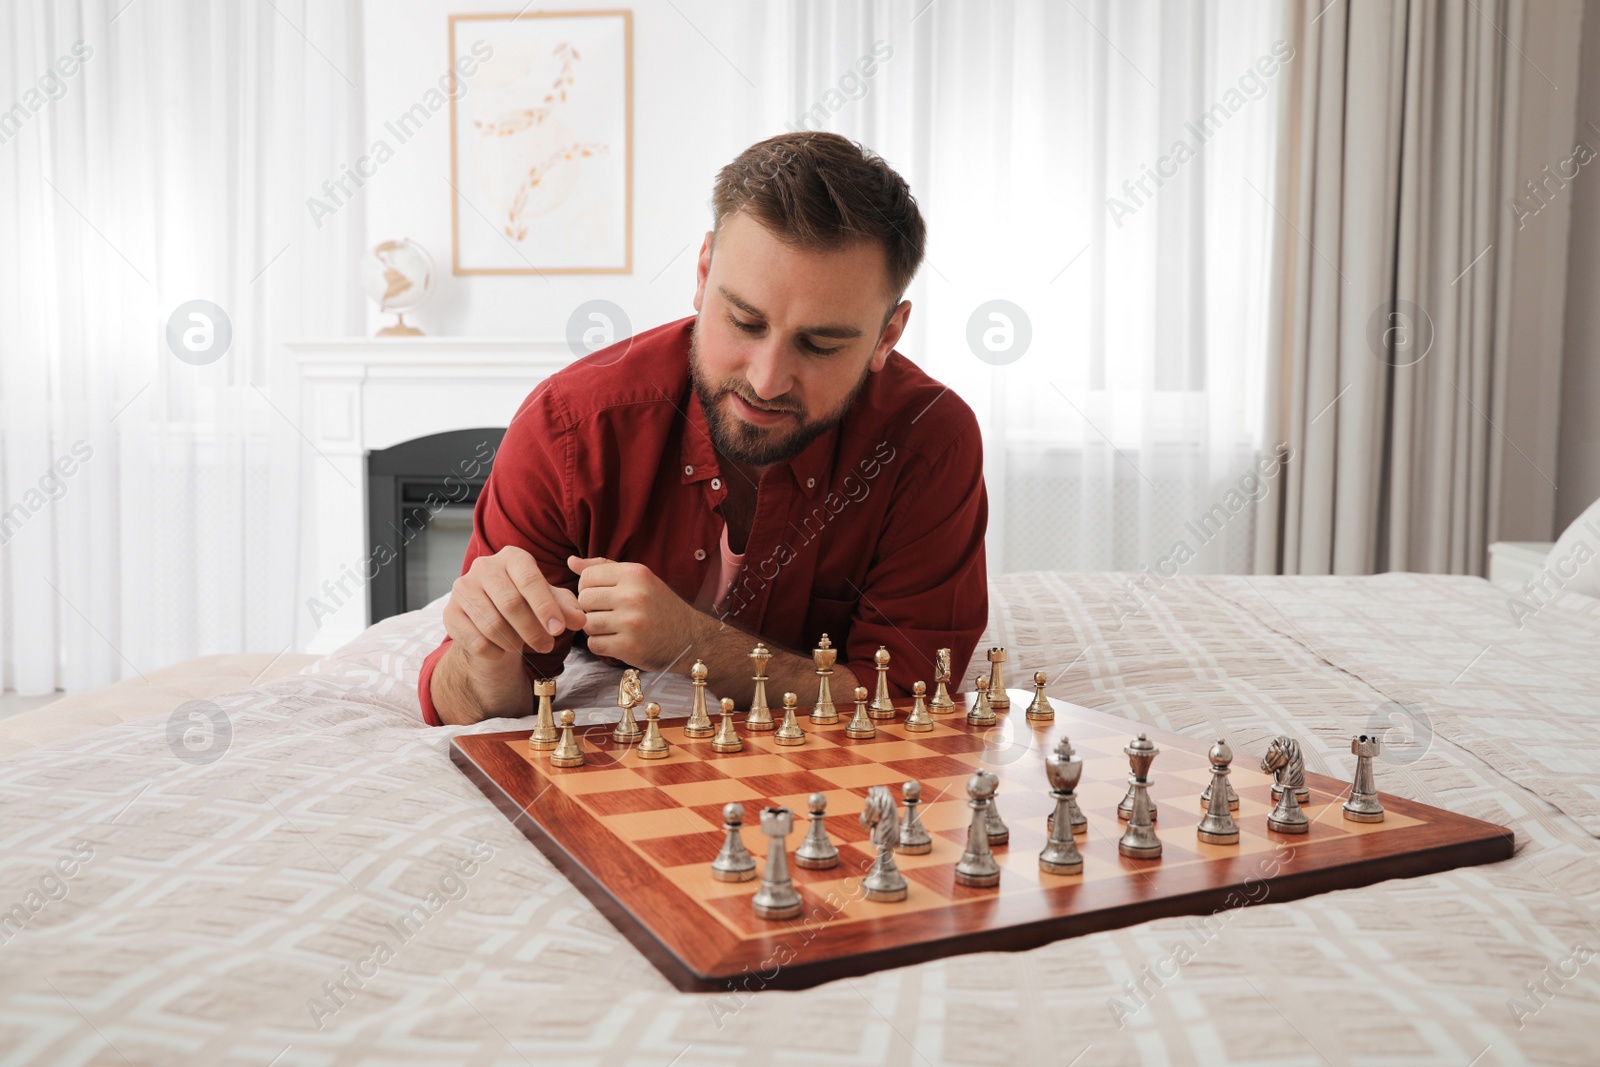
x=541 y=143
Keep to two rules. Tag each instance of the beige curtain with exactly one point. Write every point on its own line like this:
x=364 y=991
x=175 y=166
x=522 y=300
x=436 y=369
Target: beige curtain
x=1398 y=260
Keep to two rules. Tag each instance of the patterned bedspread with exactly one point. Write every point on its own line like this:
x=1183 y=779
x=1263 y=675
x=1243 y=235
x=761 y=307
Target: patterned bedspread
x=296 y=874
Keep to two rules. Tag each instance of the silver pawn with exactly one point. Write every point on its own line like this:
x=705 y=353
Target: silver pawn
x=1364 y=805
x=999 y=832
x=1139 y=840
x=816 y=852
x=734 y=863
x=977 y=866
x=885 y=883
x=1217 y=825
x=1061 y=855
x=777 y=898
x=914 y=837
x=1080 y=824
x=982 y=713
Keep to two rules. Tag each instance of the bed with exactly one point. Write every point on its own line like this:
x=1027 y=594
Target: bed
x=227 y=910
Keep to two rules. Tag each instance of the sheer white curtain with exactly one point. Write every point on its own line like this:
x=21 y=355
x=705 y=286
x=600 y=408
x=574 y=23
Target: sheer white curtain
x=161 y=153
x=1105 y=168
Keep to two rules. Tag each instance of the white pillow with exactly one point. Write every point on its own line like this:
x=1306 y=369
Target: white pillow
x=1574 y=559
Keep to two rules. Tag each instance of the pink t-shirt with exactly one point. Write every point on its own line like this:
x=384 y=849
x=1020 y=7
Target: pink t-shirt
x=731 y=565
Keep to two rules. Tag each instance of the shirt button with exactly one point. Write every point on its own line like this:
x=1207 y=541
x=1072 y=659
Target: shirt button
x=699 y=553
x=688 y=468
x=716 y=483
x=811 y=483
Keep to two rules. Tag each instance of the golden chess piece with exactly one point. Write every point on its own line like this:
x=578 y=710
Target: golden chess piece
x=1041 y=709
x=727 y=739
x=982 y=712
x=544 y=723
x=861 y=726
x=567 y=753
x=653 y=746
x=882 y=706
x=824 y=657
x=699 y=724
x=629 y=693
x=919 y=721
x=760 y=717
x=790 y=733
x=942 y=703
x=998 y=698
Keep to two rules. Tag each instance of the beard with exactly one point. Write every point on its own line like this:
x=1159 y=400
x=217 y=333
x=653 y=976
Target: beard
x=759 y=446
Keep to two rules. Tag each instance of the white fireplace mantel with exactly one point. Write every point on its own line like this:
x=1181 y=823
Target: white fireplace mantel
x=361 y=394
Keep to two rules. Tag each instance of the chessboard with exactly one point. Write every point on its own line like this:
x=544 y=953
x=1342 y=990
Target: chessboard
x=637 y=837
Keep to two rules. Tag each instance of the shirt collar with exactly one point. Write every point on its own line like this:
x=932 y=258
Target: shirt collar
x=699 y=461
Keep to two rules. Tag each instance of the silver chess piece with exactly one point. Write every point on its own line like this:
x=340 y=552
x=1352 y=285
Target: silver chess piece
x=942 y=703
x=760 y=717
x=918 y=721
x=777 y=898
x=1061 y=855
x=884 y=883
x=727 y=739
x=789 y=733
x=999 y=832
x=881 y=707
x=1041 y=710
x=914 y=837
x=982 y=712
x=816 y=852
x=824 y=656
x=544 y=722
x=734 y=863
x=977 y=866
x=699 y=724
x=1217 y=826
x=1075 y=816
x=860 y=725
x=567 y=753
x=1289 y=775
x=999 y=700
x=1364 y=805
x=1139 y=840
x=629 y=695
x=1205 y=797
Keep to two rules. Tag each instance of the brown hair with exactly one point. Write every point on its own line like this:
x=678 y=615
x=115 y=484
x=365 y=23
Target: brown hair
x=818 y=190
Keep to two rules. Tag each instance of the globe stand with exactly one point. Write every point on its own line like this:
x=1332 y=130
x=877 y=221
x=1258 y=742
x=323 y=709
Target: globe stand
x=400 y=329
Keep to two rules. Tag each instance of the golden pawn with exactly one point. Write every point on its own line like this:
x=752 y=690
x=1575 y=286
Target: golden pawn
x=699 y=724
x=760 y=717
x=567 y=752
x=790 y=733
x=982 y=713
x=629 y=693
x=653 y=746
x=544 y=723
x=919 y=721
x=727 y=739
x=824 y=657
x=861 y=726
x=942 y=703
x=882 y=706
x=998 y=699
x=1041 y=709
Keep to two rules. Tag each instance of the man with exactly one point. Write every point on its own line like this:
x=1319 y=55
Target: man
x=767 y=470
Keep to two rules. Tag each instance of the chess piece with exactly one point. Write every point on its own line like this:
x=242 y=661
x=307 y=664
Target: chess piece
x=699 y=724
x=734 y=863
x=999 y=832
x=1139 y=840
x=760 y=717
x=1205 y=798
x=824 y=656
x=942 y=703
x=1286 y=764
x=1125 y=806
x=1217 y=825
x=629 y=693
x=914 y=837
x=1060 y=854
x=882 y=707
x=790 y=733
x=653 y=745
x=816 y=852
x=982 y=712
x=567 y=753
x=777 y=898
x=544 y=722
x=919 y=721
x=861 y=726
x=884 y=883
x=977 y=866
x=727 y=739
x=1364 y=805
x=1288 y=769
x=998 y=699
x=1080 y=824
x=1041 y=709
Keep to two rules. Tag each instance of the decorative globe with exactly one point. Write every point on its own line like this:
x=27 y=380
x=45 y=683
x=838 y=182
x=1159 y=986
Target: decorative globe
x=400 y=277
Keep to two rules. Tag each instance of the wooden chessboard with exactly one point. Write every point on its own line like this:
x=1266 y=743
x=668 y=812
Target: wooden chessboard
x=638 y=836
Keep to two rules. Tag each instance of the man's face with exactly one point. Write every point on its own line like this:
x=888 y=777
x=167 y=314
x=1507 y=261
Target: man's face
x=785 y=338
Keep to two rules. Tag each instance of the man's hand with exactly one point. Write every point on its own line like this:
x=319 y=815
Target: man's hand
x=632 y=615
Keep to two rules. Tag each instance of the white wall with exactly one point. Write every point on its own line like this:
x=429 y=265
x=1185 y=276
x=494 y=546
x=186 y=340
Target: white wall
x=693 y=111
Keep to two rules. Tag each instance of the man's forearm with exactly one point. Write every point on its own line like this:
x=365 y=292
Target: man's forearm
x=725 y=650
x=460 y=700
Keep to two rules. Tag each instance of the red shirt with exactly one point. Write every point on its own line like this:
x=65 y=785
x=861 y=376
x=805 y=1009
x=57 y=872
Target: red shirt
x=873 y=534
